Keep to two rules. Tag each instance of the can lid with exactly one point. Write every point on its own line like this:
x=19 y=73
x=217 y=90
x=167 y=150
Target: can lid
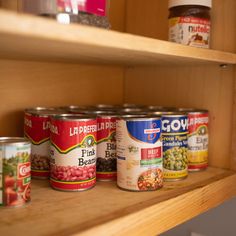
x=192 y=110
x=73 y=117
x=13 y=140
x=43 y=111
x=175 y=3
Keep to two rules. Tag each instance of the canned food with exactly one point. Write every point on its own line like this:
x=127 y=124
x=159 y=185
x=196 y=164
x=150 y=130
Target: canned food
x=73 y=152
x=15 y=176
x=72 y=108
x=37 y=130
x=139 y=153
x=106 y=107
x=197 y=139
x=106 y=147
x=175 y=146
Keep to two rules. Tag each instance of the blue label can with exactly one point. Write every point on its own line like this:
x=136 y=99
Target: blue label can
x=175 y=146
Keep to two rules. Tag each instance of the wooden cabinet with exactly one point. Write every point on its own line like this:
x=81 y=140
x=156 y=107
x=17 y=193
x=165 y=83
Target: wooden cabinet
x=43 y=63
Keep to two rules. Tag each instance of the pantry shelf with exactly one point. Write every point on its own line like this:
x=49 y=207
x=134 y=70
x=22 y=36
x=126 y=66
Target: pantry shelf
x=33 y=38
x=107 y=210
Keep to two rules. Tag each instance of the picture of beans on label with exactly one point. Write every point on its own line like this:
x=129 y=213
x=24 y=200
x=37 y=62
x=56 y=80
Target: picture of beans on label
x=15 y=172
x=73 y=152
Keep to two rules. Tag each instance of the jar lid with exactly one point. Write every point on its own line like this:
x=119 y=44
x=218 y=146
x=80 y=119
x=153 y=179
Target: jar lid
x=175 y=3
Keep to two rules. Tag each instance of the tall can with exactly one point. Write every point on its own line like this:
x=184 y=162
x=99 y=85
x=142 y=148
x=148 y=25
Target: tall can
x=73 y=152
x=175 y=146
x=139 y=153
x=15 y=178
x=198 y=138
x=37 y=131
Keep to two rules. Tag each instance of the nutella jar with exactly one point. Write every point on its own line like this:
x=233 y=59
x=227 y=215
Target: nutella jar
x=190 y=22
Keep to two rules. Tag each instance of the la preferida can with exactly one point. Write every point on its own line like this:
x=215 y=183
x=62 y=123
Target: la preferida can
x=15 y=175
x=37 y=130
x=175 y=146
x=139 y=153
x=73 y=152
x=198 y=138
x=106 y=147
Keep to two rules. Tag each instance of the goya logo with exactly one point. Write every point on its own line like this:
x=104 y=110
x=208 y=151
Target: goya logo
x=24 y=170
x=175 y=124
x=145 y=131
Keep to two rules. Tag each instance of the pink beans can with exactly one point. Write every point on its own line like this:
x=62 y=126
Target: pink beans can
x=73 y=152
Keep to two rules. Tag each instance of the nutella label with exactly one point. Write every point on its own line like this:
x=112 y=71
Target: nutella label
x=190 y=31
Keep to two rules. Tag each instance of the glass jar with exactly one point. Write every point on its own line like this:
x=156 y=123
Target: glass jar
x=88 y=12
x=190 y=22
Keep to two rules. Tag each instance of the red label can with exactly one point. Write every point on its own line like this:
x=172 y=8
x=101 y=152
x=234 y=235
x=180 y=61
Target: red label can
x=15 y=167
x=73 y=152
x=106 y=147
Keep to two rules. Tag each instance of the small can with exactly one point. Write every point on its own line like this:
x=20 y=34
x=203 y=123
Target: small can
x=73 y=152
x=175 y=146
x=37 y=131
x=198 y=138
x=15 y=178
x=139 y=153
x=106 y=147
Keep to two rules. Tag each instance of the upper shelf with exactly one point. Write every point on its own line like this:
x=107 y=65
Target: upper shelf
x=35 y=38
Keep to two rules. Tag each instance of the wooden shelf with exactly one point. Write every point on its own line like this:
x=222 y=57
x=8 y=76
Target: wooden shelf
x=107 y=210
x=34 y=38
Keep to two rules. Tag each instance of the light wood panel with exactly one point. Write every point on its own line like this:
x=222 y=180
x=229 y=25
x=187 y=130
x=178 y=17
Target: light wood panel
x=24 y=37
x=107 y=210
x=151 y=19
x=30 y=84
x=200 y=87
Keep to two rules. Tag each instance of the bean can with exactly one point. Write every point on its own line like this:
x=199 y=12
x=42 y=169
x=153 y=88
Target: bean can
x=73 y=152
x=139 y=153
x=175 y=146
x=37 y=131
x=15 y=175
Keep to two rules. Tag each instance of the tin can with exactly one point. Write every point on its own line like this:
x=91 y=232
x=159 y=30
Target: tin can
x=73 y=152
x=139 y=153
x=198 y=138
x=15 y=175
x=106 y=147
x=37 y=130
x=175 y=146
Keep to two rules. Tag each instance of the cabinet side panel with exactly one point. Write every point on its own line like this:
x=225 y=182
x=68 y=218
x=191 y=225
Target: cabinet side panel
x=30 y=84
x=208 y=87
x=151 y=19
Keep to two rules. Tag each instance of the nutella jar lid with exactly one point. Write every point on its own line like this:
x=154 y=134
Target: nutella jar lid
x=175 y=3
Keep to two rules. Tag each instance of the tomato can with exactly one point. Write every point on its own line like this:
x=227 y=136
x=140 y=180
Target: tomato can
x=37 y=131
x=139 y=153
x=175 y=146
x=198 y=138
x=15 y=177
x=73 y=152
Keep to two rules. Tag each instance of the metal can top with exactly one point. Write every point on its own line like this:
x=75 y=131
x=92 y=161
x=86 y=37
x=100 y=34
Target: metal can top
x=43 y=111
x=193 y=110
x=106 y=107
x=73 y=117
x=174 y=114
x=13 y=141
x=138 y=117
x=132 y=105
x=74 y=107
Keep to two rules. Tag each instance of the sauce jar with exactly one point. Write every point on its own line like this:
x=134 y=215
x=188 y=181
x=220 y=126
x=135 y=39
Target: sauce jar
x=190 y=22
x=87 y=12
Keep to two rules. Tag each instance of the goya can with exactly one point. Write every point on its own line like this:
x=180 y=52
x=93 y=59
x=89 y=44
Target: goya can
x=175 y=146
x=106 y=147
x=198 y=139
x=139 y=153
x=37 y=130
x=15 y=175
x=73 y=152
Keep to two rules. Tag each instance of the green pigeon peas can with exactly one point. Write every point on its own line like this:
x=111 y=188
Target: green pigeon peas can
x=175 y=146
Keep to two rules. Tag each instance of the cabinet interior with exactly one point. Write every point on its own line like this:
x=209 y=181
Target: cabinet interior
x=41 y=83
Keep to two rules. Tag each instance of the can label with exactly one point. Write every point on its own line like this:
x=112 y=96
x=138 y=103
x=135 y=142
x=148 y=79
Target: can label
x=198 y=141
x=37 y=130
x=73 y=154
x=139 y=154
x=190 y=31
x=97 y=7
x=15 y=175
x=175 y=143
x=106 y=148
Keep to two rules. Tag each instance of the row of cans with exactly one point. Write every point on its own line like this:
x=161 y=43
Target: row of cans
x=135 y=142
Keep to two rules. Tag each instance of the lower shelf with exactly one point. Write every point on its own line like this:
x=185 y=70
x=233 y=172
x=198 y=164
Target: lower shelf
x=107 y=210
